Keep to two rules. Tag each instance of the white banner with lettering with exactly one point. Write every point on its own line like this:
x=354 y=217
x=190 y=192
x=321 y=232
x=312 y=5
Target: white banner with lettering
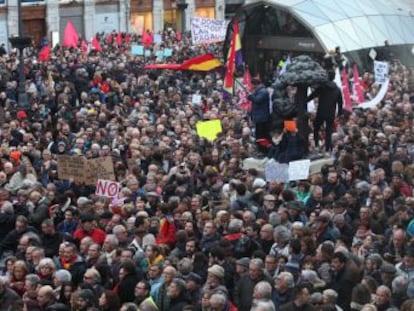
x=206 y=30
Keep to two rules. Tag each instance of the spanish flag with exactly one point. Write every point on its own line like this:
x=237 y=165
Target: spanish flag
x=206 y=62
x=234 y=58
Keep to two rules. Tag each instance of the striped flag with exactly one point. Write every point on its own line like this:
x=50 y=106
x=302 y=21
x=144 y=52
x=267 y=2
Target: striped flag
x=345 y=91
x=359 y=94
x=234 y=58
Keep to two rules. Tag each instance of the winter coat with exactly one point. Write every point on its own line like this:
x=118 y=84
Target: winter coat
x=330 y=97
x=243 y=296
x=260 y=105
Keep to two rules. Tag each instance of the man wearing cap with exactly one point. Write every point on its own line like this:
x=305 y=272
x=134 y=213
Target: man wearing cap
x=242 y=268
x=244 y=288
x=87 y=228
x=387 y=273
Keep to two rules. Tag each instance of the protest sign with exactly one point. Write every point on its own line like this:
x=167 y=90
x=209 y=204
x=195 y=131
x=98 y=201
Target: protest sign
x=159 y=54
x=206 y=30
x=86 y=171
x=137 y=50
x=99 y=168
x=157 y=38
x=107 y=188
x=299 y=170
x=275 y=171
x=209 y=129
x=168 y=52
x=71 y=167
x=381 y=71
x=196 y=99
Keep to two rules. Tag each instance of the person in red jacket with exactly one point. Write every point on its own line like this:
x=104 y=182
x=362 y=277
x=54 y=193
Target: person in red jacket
x=87 y=228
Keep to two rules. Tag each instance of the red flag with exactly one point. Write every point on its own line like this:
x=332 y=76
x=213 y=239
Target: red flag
x=127 y=38
x=108 y=39
x=357 y=86
x=44 y=54
x=244 y=103
x=95 y=45
x=345 y=91
x=84 y=47
x=178 y=36
x=147 y=38
x=119 y=38
x=70 y=36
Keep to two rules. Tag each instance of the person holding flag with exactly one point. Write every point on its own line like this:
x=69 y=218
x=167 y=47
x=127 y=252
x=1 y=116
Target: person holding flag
x=260 y=113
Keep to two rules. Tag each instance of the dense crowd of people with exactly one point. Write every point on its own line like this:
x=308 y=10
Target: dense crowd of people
x=192 y=230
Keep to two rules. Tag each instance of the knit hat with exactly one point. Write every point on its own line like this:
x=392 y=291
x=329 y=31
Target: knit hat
x=216 y=271
x=244 y=262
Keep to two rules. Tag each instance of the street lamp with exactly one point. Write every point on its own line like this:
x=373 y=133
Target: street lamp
x=21 y=42
x=182 y=5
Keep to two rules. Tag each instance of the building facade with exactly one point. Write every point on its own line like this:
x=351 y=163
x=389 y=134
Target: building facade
x=48 y=18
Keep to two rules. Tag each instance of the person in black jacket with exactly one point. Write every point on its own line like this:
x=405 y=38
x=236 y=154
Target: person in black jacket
x=128 y=279
x=177 y=293
x=260 y=113
x=330 y=97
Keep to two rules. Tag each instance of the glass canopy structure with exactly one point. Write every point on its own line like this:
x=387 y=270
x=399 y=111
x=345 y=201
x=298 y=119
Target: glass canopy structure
x=272 y=28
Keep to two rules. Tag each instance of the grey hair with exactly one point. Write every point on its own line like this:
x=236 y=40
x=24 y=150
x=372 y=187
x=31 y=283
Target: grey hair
x=118 y=228
x=266 y=305
x=63 y=275
x=331 y=295
x=33 y=279
x=288 y=278
x=282 y=233
x=235 y=225
x=218 y=298
x=7 y=207
x=47 y=262
x=112 y=239
x=399 y=284
x=258 y=262
x=265 y=289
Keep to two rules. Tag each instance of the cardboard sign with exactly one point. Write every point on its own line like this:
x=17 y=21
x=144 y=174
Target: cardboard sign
x=99 y=168
x=71 y=167
x=86 y=171
x=206 y=30
x=107 y=188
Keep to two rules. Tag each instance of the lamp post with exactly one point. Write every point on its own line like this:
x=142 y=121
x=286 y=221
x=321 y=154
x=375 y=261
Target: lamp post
x=182 y=5
x=21 y=42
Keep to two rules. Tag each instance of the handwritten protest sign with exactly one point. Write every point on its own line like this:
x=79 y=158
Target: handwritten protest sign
x=86 y=171
x=71 y=167
x=209 y=129
x=299 y=170
x=99 y=168
x=206 y=30
x=381 y=71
